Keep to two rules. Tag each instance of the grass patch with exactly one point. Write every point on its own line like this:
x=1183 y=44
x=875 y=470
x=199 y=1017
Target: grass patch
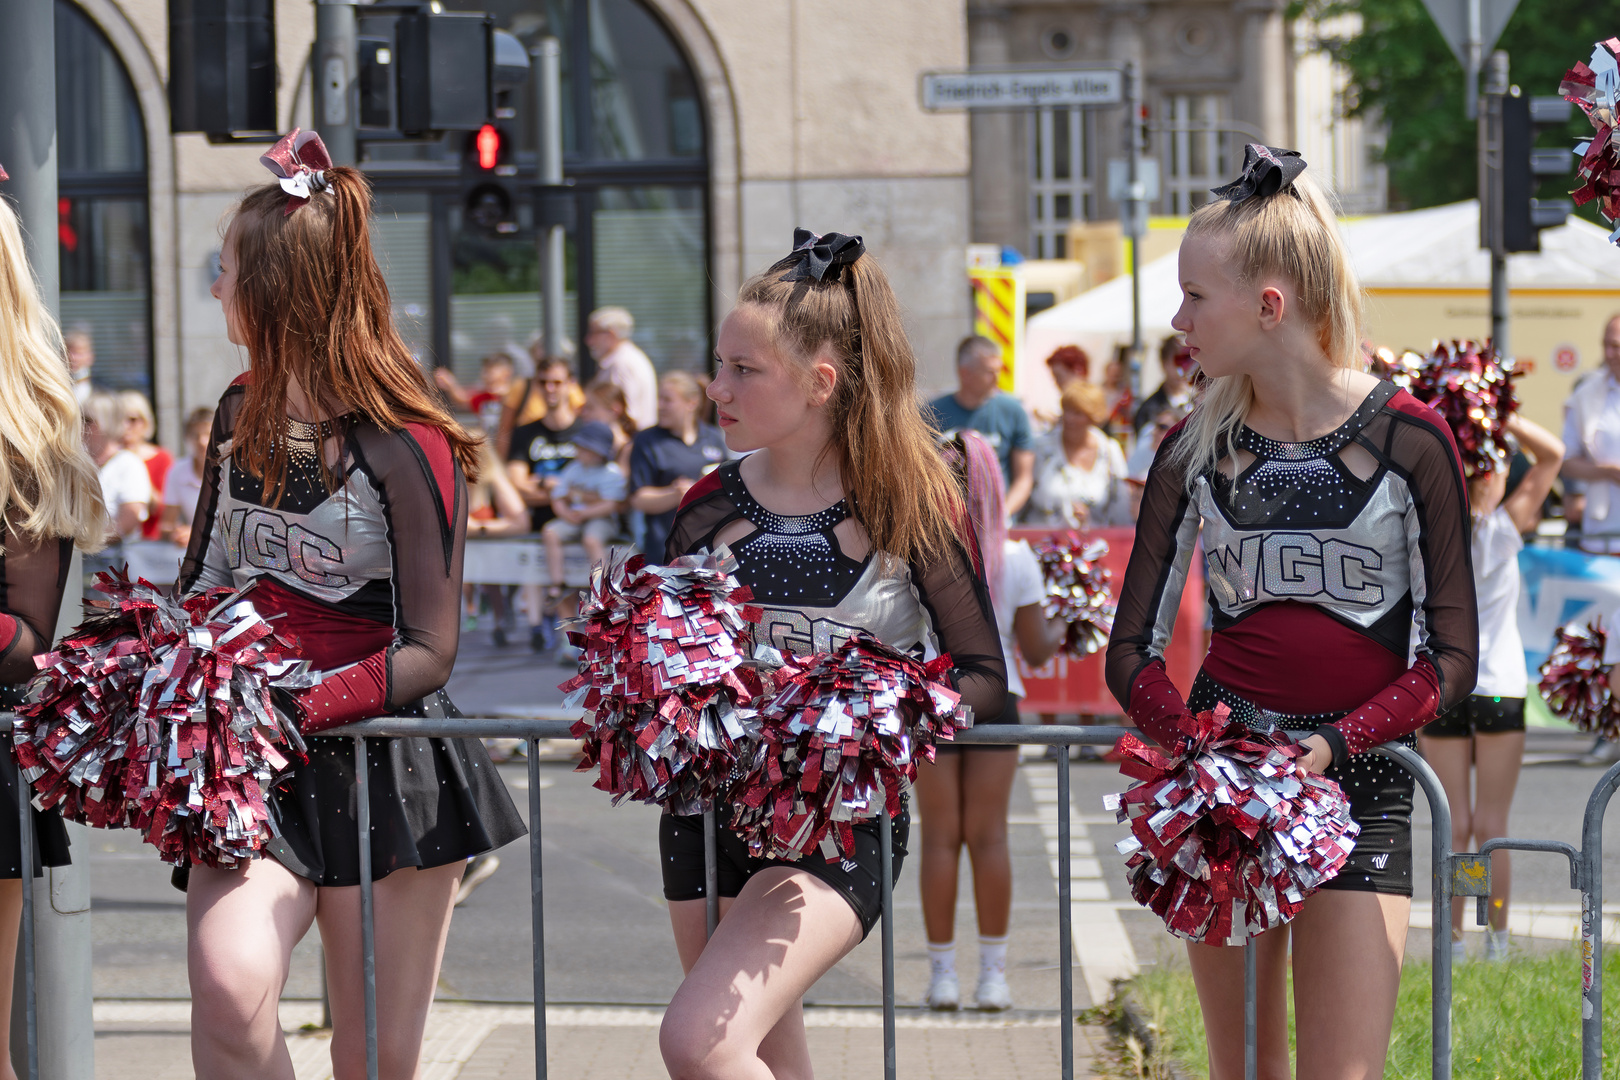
x=1514 y=1021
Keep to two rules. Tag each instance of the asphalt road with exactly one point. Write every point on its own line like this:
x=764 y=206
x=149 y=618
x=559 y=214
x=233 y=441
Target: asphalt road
x=607 y=935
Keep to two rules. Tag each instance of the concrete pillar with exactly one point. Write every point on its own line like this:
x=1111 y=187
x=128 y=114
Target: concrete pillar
x=1262 y=97
x=998 y=141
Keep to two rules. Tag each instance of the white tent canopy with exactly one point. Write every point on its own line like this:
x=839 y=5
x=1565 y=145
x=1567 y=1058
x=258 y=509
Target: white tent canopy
x=1437 y=246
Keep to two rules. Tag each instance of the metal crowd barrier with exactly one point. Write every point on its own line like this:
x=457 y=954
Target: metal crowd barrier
x=1454 y=874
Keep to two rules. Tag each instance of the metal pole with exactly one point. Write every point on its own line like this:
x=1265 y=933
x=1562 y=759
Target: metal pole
x=551 y=236
x=25 y=869
x=537 y=912
x=1474 y=49
x=1492 y=200
x=1133 y=215
x=886 y=891
x=368 y=914
x=1065 y=921
x=711 y=873
x=1251 y=993
x=335 y=69
x=1440 y=940
x=1592 y=925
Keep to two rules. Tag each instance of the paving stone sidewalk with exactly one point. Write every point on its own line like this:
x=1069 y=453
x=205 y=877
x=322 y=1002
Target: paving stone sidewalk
x=149 y=1040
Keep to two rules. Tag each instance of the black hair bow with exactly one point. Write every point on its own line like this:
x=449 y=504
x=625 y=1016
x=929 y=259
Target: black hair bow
x=814 y=255
x=1266 y=171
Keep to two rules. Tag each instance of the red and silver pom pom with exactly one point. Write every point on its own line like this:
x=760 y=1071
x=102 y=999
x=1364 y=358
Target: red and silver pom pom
x=1078 y=590
x=662 y=669
x=1575 y=680
x=156 y=713
x=1227 y=840
x=1594 y=87
x=843 y=730
x=1471 y=386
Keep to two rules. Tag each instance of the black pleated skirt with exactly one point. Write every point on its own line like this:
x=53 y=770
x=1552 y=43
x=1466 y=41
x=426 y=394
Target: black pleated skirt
x=50 y=836
x=433 y=802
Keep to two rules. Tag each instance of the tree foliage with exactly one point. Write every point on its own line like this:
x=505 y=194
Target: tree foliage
x=1402 y=70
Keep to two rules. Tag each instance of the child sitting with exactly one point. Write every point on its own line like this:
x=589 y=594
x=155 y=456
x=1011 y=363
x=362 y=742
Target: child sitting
x=587 y=499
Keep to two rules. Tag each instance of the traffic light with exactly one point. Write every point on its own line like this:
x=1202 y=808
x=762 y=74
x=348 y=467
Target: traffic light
x=490 y=204
x=1524 y=166
x=222 y=78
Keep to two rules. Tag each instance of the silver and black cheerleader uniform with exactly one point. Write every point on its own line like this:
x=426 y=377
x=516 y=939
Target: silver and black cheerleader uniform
x=33 y=579
x=814 y=597
x=367 y=581
x=1343 y=605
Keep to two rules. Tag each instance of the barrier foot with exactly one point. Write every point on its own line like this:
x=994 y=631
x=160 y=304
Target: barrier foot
x=1251 y=989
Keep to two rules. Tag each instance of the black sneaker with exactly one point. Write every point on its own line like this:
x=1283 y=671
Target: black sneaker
x=500 y=637
x=537 y=639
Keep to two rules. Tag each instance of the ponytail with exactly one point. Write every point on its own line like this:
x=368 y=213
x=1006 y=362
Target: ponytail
x=898 y=486
x=312 y=304
x=1291 y=234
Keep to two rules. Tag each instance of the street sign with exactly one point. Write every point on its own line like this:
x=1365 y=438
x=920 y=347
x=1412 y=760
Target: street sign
x=1451 y=16
x=1021 y=89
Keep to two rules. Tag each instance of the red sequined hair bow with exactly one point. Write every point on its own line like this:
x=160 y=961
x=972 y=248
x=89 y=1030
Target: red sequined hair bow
x=299 y=160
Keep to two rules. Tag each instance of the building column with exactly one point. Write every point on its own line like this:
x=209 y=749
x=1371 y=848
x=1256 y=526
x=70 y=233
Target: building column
x=998 y=147
x=1262 y=97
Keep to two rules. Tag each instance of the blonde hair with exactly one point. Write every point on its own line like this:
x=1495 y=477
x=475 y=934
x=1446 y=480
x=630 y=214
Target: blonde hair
x=1086 y=398
x=1290 y=235
x=136 y=407
x=898 y=486
x=49 y=487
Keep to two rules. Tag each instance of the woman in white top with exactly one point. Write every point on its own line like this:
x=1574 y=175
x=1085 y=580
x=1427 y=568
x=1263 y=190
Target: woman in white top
x=1487 y=729
x=963 y=795
x=1079 y=471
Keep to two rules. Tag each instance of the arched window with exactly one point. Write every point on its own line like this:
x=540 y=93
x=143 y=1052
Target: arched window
x=102 y=204
x=636 y=152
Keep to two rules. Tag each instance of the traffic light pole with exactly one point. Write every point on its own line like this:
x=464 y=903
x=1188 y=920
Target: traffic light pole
x=335 y=70
x=1492 y=234
x=1133 y=215
x=60 y=900
x=550 y=233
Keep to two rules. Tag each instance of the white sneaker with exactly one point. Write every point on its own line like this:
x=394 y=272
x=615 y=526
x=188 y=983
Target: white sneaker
x=943 y=993
x=1458 y=952
x=992 y=994
x=1497 y=945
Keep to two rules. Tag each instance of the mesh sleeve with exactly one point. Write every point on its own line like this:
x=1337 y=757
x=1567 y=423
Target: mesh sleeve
x=425 y=499
x=1166 y=532
x=1444 y=606
x=959 y=606
x=33 y=577
x=203 y=566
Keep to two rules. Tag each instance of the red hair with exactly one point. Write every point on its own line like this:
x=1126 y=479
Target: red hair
x=1072 y=357
x=312 y=305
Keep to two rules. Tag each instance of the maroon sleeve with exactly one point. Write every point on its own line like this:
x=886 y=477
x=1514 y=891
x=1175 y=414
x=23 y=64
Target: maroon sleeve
x=1423 y=452
x=424 y=498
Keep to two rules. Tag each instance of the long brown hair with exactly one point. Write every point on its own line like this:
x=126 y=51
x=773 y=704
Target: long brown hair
x=312 y=304
x=898 y=486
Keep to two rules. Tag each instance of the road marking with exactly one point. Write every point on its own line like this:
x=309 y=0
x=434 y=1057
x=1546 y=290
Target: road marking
x=1101 y=946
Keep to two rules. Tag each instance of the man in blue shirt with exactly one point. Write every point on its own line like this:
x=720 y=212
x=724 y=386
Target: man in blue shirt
x=979 y=405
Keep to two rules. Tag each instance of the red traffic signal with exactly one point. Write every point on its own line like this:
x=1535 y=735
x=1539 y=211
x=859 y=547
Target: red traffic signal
x=488 y=144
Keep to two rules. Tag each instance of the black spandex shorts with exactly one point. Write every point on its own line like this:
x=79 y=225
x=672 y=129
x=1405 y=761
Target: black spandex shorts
x=1478 y=714
x=680 y=851
x=1379 y=790
x=1009 y=715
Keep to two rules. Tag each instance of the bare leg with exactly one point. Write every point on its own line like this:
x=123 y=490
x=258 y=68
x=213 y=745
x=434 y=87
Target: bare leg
x=413 y=919
x=1218 y=974
x=987 y=780
x=1496 y=775
x=241 y=929
x=939 y=801
x=1347 y=972
x=738 y=1014
x=11 y=899
x=1450 y=759
x=555 y=564
x=594 y=551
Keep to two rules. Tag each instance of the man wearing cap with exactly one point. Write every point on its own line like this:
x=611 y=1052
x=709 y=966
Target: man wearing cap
x=586 y=501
